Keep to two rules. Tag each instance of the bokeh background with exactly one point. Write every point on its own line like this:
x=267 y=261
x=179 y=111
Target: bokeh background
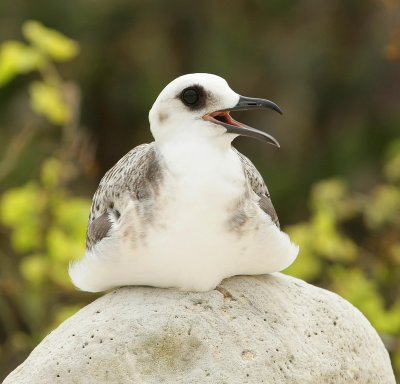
x=73 y=102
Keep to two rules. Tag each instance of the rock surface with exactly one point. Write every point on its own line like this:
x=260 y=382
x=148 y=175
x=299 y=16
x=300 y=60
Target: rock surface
x=261 y=329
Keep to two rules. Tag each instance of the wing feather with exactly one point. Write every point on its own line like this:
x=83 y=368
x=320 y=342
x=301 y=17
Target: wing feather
x=258 y=185
x=135 y=176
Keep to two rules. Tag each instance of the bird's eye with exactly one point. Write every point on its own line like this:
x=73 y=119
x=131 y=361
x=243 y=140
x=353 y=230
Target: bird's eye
x=190 y=96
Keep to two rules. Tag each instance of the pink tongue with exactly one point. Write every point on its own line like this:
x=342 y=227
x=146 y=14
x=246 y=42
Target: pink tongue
x=231 y=121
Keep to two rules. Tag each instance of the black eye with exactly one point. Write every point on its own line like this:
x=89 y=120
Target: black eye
x=190 y=96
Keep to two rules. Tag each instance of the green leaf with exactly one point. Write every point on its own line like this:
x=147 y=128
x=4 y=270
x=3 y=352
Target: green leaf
x=66 y=239
x=332 y=197
x=59 y=245
x=307 y=265
x=327 y=239
x=72 y=215
x=47 y=100
x=51 y=172
x=17 y=58
x=34 y=268
x=50 y=41
x=392 y=169
x=63 y=248
x=383 y=207
x=363 y=293
x=392 y=165
x=327 y=194
x=21 y=209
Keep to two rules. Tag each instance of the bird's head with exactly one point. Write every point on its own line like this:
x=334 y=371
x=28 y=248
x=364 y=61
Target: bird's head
x=197 y=106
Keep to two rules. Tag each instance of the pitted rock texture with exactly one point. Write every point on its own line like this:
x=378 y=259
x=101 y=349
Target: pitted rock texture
x=260 y=329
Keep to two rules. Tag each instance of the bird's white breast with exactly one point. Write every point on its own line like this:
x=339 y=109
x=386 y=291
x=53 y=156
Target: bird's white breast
x=201 y=186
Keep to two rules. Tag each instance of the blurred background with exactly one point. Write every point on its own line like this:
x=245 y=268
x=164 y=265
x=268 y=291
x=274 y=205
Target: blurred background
x=77 y=79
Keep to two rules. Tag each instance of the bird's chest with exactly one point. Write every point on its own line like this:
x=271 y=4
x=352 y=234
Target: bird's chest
x=201 y=185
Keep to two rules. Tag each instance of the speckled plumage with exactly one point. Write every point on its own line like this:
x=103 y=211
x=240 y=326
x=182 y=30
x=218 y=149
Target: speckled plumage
x=257 y=184
x=137 y=177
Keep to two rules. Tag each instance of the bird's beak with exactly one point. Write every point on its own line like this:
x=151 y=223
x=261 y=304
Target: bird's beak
x=222 y=117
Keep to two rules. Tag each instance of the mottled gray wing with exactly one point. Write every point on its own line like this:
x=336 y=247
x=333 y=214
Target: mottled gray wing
x=257 y=184
x=135 y=177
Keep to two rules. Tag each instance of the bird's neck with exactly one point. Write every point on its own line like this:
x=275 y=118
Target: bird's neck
x=202 y=176
x=199 y=158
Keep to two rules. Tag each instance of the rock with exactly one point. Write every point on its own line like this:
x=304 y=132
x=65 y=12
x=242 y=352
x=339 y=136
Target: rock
x=259 y=329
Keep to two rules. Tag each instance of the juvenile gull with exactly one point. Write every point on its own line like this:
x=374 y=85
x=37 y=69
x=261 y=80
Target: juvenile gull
x=186 y=210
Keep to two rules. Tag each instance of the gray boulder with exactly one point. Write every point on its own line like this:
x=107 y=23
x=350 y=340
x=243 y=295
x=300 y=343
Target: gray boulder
x=259 y=329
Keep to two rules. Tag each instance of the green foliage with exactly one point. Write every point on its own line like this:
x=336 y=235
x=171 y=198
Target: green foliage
x=20 y=208
x=16 y=58
x=47 y=230
x=47 y=100
x=45 y=222
x=392 y=166
x=47 y=225
x=363 y=292
x=50 y=42
x=351 y=245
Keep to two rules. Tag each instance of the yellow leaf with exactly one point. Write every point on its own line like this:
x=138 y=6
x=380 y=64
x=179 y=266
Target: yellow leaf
x=50 y=41
x=47 y=100
x=16 y=58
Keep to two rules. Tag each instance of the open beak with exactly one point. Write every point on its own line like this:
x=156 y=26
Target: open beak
x=222 y=117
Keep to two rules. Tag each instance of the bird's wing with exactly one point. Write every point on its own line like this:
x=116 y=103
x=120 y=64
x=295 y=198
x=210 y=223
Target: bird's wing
x=257 y=184
x=134 y=177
